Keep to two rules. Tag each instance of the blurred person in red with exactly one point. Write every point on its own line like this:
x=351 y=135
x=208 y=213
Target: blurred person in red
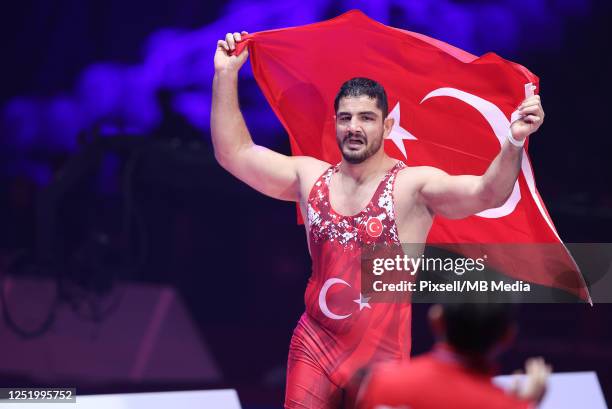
x=457 y=372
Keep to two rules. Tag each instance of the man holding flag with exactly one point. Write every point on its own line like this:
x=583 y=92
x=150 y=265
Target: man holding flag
x=367 y=198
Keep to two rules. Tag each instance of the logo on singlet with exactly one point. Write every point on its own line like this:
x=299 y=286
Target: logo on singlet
x=374 y=227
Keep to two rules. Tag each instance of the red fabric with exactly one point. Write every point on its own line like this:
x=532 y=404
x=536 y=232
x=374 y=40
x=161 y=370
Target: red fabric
x=300 y=70
x=340 y=332
x=428 y=382
x=308 y=387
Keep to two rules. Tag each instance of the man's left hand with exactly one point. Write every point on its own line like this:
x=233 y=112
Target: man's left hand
x=531 y=117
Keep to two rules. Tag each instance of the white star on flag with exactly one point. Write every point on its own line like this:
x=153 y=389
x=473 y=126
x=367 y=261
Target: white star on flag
x=398 y=134
x=363 y=302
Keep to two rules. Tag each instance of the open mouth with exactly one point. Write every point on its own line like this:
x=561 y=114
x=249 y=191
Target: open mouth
x=354 y=143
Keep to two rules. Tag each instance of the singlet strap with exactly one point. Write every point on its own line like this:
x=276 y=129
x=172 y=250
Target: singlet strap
x=321 y=183
x=391 y=173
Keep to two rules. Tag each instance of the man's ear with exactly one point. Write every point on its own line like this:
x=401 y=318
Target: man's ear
x=435 y=316
x=505 y=342
x=509 y=336
x=388 y=125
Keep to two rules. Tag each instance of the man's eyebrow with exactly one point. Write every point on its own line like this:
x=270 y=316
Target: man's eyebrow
x=358 y=113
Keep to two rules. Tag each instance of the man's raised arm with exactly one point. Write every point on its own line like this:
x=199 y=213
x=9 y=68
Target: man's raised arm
x=456 y=197
x=269 y=172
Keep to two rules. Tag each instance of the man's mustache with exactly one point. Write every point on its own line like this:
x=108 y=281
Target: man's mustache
x=353 y=136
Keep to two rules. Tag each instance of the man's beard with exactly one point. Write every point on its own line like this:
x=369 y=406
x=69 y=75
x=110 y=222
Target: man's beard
x=355 y=157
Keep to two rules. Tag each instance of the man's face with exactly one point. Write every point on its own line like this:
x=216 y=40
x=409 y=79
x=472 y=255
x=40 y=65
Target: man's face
x=360 y=128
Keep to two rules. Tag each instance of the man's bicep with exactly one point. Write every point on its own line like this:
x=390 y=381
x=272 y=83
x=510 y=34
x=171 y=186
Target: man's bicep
x=454 y=197
x=266 y=171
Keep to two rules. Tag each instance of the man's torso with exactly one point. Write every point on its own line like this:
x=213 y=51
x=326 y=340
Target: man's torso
x=340 y=329
x=419 y=385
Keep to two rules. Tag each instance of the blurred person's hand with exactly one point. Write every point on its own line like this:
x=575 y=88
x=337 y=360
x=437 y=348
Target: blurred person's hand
x=224 y=60
x=533 y=385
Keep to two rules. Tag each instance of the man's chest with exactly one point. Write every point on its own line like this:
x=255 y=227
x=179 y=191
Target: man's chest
x=412 y=217
x=346 y=199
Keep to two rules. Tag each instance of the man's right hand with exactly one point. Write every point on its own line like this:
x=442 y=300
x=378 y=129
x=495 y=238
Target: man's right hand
x=224 y=61
x=271 y=173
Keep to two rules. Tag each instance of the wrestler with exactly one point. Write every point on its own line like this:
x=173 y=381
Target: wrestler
x=367 y=198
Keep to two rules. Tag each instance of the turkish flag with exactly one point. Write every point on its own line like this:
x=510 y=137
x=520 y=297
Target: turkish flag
x=452 y=111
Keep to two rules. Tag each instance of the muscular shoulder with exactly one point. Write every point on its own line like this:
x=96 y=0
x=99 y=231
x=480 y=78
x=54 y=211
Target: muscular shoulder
x=410 y=180
x=309 y=169
x=416 y=175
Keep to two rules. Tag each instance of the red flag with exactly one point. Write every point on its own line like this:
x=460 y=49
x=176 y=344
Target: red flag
x=452 y=111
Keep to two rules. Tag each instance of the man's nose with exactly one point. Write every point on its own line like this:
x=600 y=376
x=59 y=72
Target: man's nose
x=353 y=125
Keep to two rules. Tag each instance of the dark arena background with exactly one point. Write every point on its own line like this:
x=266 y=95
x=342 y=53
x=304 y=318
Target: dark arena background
x=130 y=261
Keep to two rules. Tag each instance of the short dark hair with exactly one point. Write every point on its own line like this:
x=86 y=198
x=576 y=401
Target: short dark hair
x=474 y=328
x=356 y=87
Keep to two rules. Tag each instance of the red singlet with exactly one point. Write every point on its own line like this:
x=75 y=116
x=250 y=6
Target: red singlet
x=341 y=332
